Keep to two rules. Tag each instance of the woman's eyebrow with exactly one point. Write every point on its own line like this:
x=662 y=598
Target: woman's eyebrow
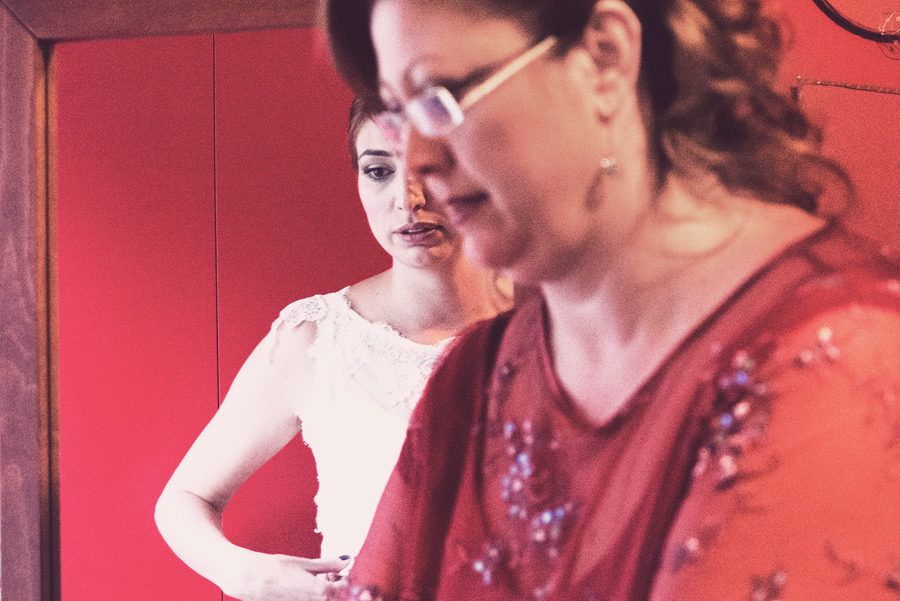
x=375 y=153
x=417 y=74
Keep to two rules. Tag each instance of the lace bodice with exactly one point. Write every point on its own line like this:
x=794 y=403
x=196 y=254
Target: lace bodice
x=367 y=380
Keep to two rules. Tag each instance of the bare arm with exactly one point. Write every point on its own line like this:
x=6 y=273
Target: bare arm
x=255 y=421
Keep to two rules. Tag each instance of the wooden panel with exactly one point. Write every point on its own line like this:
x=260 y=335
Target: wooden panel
x=93 y=19
x=24 y=528
x=137 y=339
x=290 y=225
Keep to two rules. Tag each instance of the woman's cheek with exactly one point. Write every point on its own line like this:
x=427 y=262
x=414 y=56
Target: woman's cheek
x=481 y=146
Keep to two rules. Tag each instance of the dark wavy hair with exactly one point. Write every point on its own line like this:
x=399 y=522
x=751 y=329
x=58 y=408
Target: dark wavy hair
x=360 y=112
x=708 y=69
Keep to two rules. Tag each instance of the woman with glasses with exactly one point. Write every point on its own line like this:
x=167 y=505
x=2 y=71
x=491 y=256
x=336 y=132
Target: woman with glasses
x=346 y=368
x=703 y=402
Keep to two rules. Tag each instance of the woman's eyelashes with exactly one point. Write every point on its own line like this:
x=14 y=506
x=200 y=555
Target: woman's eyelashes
x=378 y=172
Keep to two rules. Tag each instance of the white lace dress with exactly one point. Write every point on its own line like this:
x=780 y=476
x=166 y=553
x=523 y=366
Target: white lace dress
x=367 y=380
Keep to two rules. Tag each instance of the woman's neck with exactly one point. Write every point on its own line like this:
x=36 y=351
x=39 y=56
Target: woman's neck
x=624 y=314
x=430 y=305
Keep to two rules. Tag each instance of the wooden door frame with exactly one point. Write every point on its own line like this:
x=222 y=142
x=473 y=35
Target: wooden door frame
x=29 y=29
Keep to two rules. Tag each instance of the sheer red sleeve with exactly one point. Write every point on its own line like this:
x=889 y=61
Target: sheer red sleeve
x=802 y=502
x=401 y=558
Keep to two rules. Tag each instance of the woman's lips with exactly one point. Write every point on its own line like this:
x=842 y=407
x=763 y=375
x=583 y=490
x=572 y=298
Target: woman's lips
x=420 y=233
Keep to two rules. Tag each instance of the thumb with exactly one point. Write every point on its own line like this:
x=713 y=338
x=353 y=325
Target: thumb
x=321 y=566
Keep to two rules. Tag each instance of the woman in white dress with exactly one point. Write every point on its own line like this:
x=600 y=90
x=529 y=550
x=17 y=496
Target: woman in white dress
x=346 y=368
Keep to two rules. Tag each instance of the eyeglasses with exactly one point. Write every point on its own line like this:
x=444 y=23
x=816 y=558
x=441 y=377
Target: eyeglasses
x=435 y=112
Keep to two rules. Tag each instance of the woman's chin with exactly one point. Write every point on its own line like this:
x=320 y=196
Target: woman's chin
x=433 y=257
x=486 y=253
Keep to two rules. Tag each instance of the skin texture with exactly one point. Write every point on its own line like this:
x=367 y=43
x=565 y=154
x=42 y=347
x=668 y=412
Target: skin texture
x=627 y=263
x=522 y=220
x=427 y=295
x=395 y=206
x=534 y=207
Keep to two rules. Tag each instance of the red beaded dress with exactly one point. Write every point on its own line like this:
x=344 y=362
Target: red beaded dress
x=761 y=461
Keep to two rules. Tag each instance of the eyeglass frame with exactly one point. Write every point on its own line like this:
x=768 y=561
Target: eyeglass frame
x=414 y=110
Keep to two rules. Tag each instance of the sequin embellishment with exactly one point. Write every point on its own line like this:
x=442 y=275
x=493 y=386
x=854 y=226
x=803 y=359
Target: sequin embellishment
x=739 y=422
x=769 y=589
x=539 y=520
x=361 y=593
x=824 y=351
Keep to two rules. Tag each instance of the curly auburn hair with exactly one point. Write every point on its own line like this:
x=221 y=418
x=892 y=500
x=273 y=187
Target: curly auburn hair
x=708 y=69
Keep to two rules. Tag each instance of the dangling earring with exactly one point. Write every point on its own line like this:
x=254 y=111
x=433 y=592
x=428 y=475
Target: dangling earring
x=609 y=166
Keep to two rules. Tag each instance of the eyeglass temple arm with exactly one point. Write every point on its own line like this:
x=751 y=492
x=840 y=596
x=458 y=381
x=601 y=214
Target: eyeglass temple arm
x=504 y=73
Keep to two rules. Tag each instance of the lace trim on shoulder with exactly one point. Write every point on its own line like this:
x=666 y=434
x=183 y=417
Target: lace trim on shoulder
x=312 y=308
x=375 y=355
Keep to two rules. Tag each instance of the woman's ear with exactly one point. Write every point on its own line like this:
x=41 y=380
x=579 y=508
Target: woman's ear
x=612 y=39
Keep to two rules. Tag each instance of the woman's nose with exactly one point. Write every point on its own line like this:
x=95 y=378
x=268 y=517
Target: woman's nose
x=426 y=156
x=413 y=195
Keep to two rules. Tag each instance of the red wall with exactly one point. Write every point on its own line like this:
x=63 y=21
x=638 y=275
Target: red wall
x=137 y=290
x=203 y=184
x=861 y=128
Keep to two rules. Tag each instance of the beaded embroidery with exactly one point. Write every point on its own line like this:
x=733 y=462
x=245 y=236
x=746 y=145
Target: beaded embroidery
x=538 y=513
x=738 y=423
x=360 y=593
x=769 y=588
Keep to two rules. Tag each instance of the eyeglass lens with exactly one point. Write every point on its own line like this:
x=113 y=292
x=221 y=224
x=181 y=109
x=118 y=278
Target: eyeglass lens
x=435 y=112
